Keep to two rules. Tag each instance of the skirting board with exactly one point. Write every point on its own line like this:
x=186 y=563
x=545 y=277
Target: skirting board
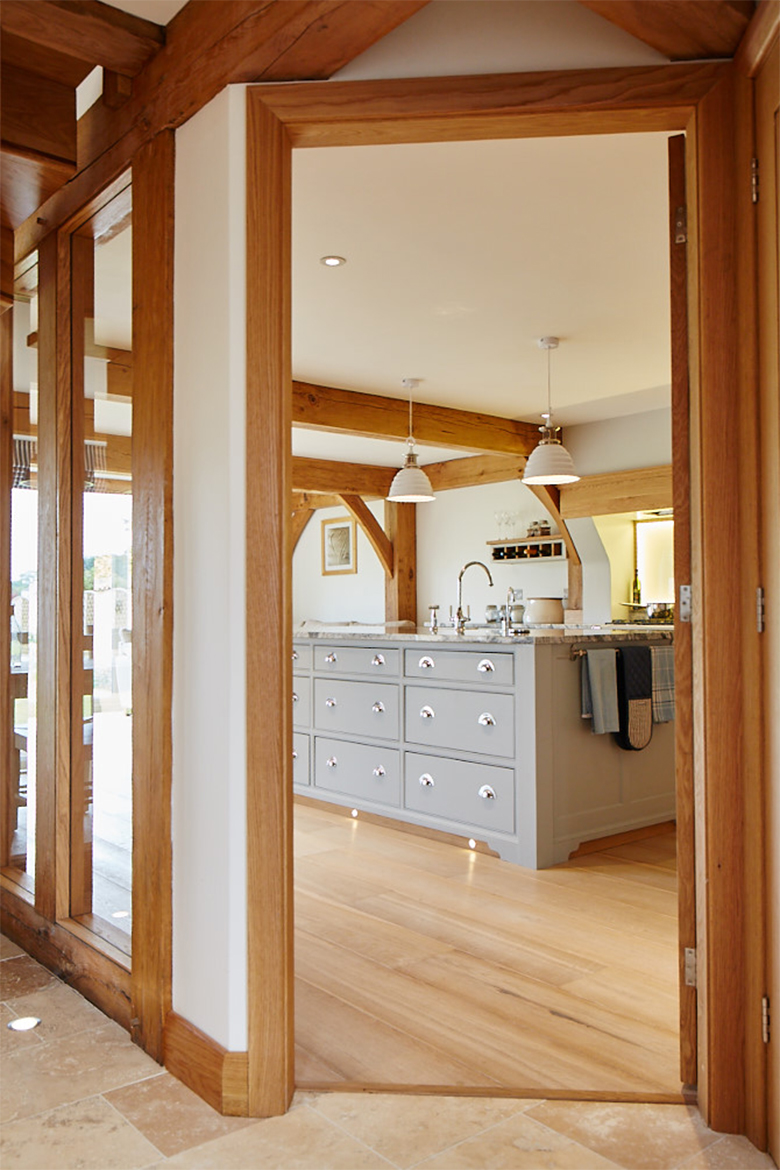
x=220 y=1077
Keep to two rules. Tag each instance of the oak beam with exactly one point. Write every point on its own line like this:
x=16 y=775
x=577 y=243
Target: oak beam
x=401 y=588
x=327 y=475
x=680 y=30
x=300 y=518
x=549 y=497
x=326 y=408
x=6 y=268
x=39 y=115
x=473 y=471
x=314 y=500
x=638 y=490
x=375 y=534
x=87 y=30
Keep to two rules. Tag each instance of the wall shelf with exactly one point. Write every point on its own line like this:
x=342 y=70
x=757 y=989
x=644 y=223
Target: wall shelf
x=533 y=548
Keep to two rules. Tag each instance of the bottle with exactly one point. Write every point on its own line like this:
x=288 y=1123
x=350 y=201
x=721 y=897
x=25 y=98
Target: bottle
x=636 y=589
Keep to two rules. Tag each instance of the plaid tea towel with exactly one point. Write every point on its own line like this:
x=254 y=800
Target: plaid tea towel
x=663 y=683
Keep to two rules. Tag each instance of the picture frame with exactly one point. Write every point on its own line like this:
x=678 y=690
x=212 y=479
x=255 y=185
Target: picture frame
x=339 y=546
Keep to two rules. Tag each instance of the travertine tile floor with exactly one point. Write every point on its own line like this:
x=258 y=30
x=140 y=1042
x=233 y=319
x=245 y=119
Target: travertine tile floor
x=76 y=1093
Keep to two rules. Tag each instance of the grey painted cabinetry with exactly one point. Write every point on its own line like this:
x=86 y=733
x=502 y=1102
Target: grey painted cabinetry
x=472 y=740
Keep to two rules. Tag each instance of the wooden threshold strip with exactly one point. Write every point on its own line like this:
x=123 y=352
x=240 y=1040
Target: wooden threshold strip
x=686 y=1096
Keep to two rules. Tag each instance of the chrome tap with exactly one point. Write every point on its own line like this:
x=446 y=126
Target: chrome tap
x=460 y=617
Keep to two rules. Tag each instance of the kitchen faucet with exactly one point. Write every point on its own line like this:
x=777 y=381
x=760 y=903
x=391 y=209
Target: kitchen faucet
x=460 y=617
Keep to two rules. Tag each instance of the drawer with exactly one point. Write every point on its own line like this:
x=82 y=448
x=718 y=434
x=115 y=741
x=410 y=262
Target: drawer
x=473 y=794
x=371 y=660
x=356 y=708
x=301 y=656
x=301 y=759
x=301 y=700
x=358 y=770
x=466 y=721
x=472 y=666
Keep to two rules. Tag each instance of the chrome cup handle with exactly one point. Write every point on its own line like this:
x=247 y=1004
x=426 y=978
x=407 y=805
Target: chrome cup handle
x=295 y=754
x=378 y=708
x=486 y=666
x=486 y=720
x=427 y=781
x=378 y=660
x=427 y=713
x=486 y=792
x=295 y=697
x=331 y=762
x=379 y=771
x=331 y=657
x=330 y=702
x=426 y=663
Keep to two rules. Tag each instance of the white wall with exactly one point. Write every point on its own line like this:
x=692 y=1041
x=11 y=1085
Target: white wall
x=621 y=444
x=209 y=689
x=358 y=597
x=617 y=536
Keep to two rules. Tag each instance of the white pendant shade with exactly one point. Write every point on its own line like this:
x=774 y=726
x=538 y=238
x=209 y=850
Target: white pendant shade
x=550 y=462
x=410 y=485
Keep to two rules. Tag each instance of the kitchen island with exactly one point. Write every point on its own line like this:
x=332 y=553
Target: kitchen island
x=479 y=735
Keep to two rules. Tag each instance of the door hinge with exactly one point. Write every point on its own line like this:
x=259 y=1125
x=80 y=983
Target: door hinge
x=684 y=612
x=765 y=1019
x=754 y=180
x=680 y=225
x=760 y=610
x=690 y=967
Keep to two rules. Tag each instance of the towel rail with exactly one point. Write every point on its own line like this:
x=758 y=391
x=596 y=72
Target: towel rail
x=577 y=652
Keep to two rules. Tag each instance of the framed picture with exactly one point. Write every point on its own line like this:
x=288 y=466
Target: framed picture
x=339 y=546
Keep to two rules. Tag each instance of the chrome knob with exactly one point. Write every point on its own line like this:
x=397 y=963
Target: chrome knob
x=378 y=660
x=331 y=761
x=295 y=697
x=486 y=792
x=427 y=781
x=426 y=663
x=330 y=702
x=379 y=771
x=427 y=713
x=331 y=657
x=486 y=666
x=378 y=708
x=486 y=720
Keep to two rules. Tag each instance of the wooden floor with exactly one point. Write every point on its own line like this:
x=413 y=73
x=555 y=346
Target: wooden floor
x=422 y=963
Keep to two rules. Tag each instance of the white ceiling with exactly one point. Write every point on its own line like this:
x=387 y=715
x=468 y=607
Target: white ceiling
x=160 y=11
x=461 y=255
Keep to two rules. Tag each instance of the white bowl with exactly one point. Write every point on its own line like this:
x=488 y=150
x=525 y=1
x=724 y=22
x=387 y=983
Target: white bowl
x=543 y=611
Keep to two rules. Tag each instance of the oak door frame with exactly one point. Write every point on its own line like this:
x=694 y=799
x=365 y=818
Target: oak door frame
x=698 y=99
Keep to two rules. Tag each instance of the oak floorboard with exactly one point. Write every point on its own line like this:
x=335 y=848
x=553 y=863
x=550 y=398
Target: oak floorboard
x=419 y=962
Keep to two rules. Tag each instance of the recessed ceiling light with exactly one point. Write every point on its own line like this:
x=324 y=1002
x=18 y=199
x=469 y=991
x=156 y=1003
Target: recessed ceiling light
x=24 y=1023
x=332 y=261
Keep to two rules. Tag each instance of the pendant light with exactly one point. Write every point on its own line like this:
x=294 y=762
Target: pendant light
x=549 y=462
x=410 y=485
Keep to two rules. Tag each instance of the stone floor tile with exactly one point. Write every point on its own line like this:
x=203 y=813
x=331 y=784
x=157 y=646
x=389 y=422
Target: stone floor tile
x=730 y=1153
x=88 y=1134
x=14 y=1041
x=70 y=1069
x=21 y=975
x=517 y=1144
x=407 y=1129
x=641 y=1137
x=8 y=949
x=301 y=1140
x=170 y=1115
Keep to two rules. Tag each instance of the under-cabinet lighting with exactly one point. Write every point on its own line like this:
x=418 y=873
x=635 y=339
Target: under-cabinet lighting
x=354 y=812
x=472 y=843
x=332 y=261
x=24 y=1023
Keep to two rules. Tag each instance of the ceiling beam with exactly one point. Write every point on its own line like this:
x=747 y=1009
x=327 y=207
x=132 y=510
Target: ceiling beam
x=301 y=501
x=333 y=478
x=326 y=408
x=476 y=470
x=300 y=518
x=85 y=29
x=39 y=115
x=683 y=30
x=641 y=489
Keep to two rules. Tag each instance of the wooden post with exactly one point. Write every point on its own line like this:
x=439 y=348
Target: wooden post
x=401 y=588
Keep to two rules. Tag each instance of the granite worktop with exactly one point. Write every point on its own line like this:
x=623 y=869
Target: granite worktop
x=484 y=634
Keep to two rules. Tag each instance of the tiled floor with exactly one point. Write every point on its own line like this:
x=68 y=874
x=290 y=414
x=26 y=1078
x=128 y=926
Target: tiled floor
x=76 y=1093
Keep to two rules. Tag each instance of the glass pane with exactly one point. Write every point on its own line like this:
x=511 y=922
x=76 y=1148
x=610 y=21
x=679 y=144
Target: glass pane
x=24 y=577
x=102 y=809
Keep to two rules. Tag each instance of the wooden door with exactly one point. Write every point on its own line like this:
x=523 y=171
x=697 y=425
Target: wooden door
x=768 y=154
